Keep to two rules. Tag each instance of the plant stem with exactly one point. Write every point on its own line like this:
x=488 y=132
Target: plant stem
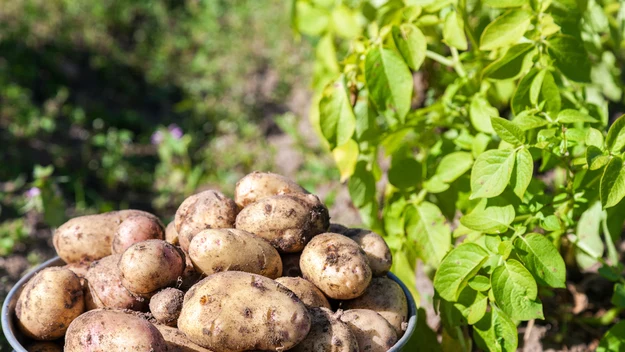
x=457 y=63
x=439 y=58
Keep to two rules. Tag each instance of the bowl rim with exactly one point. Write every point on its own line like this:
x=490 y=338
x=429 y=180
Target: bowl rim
x=11 y=332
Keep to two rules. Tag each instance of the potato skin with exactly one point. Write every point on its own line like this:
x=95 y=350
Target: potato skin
x=288 y=222
x=150 y=265
x=372 y=331
x=166 y=304
x=337 y=228
x=237 y=311
x=336 y=265
x=386 y=297
x=88 y=238
x=44 y=347
x=376 y=249
x=49 y=303
x=201 y=211
x=258 y=185
x=111 y=330
x=171 y=235
x=135 y=229
x=104 y=287
x=177 y=341
x=290 y=264
x=327 y=334
x=310 y=295
x=216 y=250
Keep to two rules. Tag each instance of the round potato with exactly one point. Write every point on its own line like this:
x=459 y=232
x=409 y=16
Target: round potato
x=166 y=304
x=112 y=331
x=327 y=334
x=88 y=238
x=49 y=303
x=150 y=265
x=386 y=297
x=290 y=264
x=258 y=185
x=310 y=295
x=171 y=235
x=177 y=341
x=372 y=331
x=104 y=287
x=238 y=311
x=44 y=347
x=205 y=210
x=135 y=229
x=216 y=250
x=337 y=265
x=376 y=249
x=288 y=222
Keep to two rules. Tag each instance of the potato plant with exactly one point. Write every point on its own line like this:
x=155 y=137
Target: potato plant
x=476 y=136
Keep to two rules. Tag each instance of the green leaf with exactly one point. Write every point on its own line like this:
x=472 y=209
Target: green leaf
x=588 y=236
x=527 y=121
x=614 y=339
x=521 y=98
x=453 y=31
x=389 y=82
x=504 y=3
x=615 y=141
x=480 y=112
x=458 y=267
x=613 y=183
x=496 y=332
x=573 y=116
x=491 y=173
x=423 y=339
x=346 y=156
x=505 y=30
x=542 y=259
x=435 y=185
x=345 y=22
x=404 y=173
x=311 y=20
x=336 y=117
x=453 y=165
x=595 y=158
x=510 y=66
x=405 y=271
x=550 y=95
x=570 y=57
x=594 y=137
x=411 y=44
x=522 y=173
x=361 y=185
x=493 y=219
x=516 y=292
x=536 y=86
x=618 y=297
x=508 y=131
x=472 y=305
x=427 y=229
x=480 y=283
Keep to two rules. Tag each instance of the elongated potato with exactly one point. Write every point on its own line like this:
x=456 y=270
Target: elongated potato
x=288 y=222
x=177 y=341
x=387 y=298
x=112 y=331
x=336 y=265
x=135 y=229
x=258 y=185
x=44 y=347
x=376 y=249
x=104 y=287
x=290 y=264
x=150 y=265
x=171 y=235
x=372 y=331
x=49 y=303
x=238 y=311
x=310 y=295
x=166 y=304
x=327 y=334
x=216 y=250
x=205 y=210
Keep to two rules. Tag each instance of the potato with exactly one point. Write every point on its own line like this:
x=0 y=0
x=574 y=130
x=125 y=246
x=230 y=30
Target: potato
x=44 y=347
x=290 y=264
x=288 y=222
x=218 y=250
x=237 y=311
x=310 y=295
x=166 y=304
x=135 y=229
x=386 y=297
x=372 y=331
x=171 y=235
x=49 y=303
x=112 y=331
x=88 y=238
x=104 y=287
x=337 y=228
x=337 y=265
x=327 y=334
x=150 y=265
x=376 y=249
x=190 y=276
x=80 y=269
x=177 y=341
x=205 y=210
x=258 y=185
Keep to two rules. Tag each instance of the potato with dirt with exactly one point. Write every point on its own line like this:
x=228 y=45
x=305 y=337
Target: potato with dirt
x=205 y=210
x=171 y=235
x=216 y=250
x=376 y=249
x=44 y=347
x=104 y=287
x=135 y=229
x=310 y=295
x=372 y=331
x=327 y=334
x=336 y=265
x=112 y=331
x=166 y=305
x=290 y=264
x=258 y=185
x=88 y=238
x=288 y=222
x=238 y=311
x=386 y=297
x=49 y=302
x=177 y=341
x=151 y=265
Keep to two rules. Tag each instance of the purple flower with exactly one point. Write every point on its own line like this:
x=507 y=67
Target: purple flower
x=157 y=137
x=175 y=131
x=33 y=192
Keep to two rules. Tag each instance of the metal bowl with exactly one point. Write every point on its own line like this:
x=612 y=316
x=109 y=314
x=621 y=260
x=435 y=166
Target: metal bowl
x=14 y=336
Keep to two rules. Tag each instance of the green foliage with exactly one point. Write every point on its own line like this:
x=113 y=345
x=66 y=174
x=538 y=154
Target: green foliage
x=514 y=91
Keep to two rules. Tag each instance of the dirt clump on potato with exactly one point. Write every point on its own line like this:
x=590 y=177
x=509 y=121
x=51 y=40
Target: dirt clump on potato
x=135 y=229
x=166 y=305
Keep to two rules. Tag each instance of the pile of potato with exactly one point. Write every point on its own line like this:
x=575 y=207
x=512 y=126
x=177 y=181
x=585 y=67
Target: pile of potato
x=265 y=271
